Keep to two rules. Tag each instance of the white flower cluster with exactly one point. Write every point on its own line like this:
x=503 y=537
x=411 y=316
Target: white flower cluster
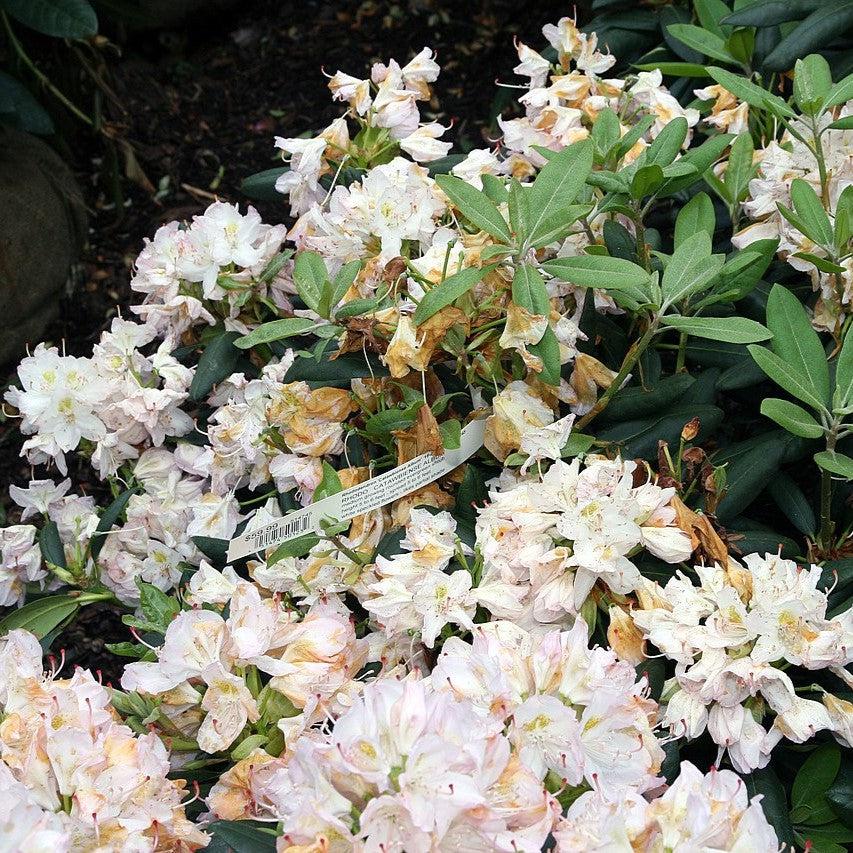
x=732 y=637
x=72 y=776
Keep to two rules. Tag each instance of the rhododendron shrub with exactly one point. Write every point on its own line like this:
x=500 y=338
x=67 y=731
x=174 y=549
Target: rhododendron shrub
x=624 y=623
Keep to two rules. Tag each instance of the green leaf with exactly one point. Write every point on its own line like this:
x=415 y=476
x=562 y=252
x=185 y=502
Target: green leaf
x=108 y=520
x=797 y=343
x=734 y=330
x=157 y=607
x=475 y=206
x=701 y=158
x=558 y=224
x=70 y=19
x=601 y=271
x=813 y=33
x=519 y=208
x=638 y=402
x=41 y=616
x=558 y=184
x=666 y=145
x=793 y=503
x=812 y=83
x=495 y=188
x=646 y=180
x=773 y=804
x=812 y=213
x=605 y=131
x=217 y=362
x=768 y=13
x=451 y=434
x=711 y=13
x=630 y=139
x=840 y=794
x=748 y=472
x=840 y=93
x=747 y=91
x=791 y=417
x=844 y=217
x=675 y=69
x=276 y=330
x=691 y=268
x=743 y=270
x=343 y=281
x=548 y=349
x=448 y=292
x=702 y=40
x=379 y=427
x=821 y=263
x=261 y=186
x=19 y=108
x=528 y=290
x=51 y=545
x=297 y=547
x=835 y=463
x=338 y=371
x=608 y=181
x=696 y=215
x=844 y=373
x=785 y=376
x=330 y=484
x=845 y=123
x=740 y=169
x=310 y=277
x=240 y=836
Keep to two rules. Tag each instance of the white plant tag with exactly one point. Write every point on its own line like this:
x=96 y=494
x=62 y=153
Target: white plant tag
x=366 y=496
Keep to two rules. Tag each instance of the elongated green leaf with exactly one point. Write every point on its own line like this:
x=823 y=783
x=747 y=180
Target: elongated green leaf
x=241 y=836
x=475 y=206
x=701 y=158
x=157 y=607
x=276 y=330
x=691 y=268
x=558 y=184
x=819 y=28
x=548 y=349
x=845 y=123
x=748 y=472
x=310 y=277
x=261 y=186
x=702 y=40
x=844 y=373
x=528 y=290
x=696 y=215
x=666 y=145
x=675 y=69
x=811 y=211
x=343 y=281
x=519 y=208
x=734 y=330
x=70 y=19
x=19 y=107
x=791 y=417
x=790 y=499
x=812 y=83
x=216 y=363
x=816 y=775
x=840 y=793
x=448 y=292
x=41 y=616
x=797 y=343
x=840 y=93
x=747 y=91
x=51 y=545
x=773 y=803
x=785 y=376
x=835 y=463
x=600 y=271
x=558 y=224
x=740 y=169
x=646 y=180
x=108 y=520
x=768 y=13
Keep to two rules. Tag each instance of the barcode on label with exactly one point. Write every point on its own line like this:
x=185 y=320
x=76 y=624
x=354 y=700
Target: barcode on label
x=275 y=532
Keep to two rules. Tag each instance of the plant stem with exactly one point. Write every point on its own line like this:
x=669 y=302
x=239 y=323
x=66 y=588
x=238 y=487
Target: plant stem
x=826 y=524
x=631 y=359
x=682 y=352
x=40 y=75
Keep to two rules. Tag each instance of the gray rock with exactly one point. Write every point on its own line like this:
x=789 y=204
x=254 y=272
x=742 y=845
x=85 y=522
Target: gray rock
x=42 y=228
